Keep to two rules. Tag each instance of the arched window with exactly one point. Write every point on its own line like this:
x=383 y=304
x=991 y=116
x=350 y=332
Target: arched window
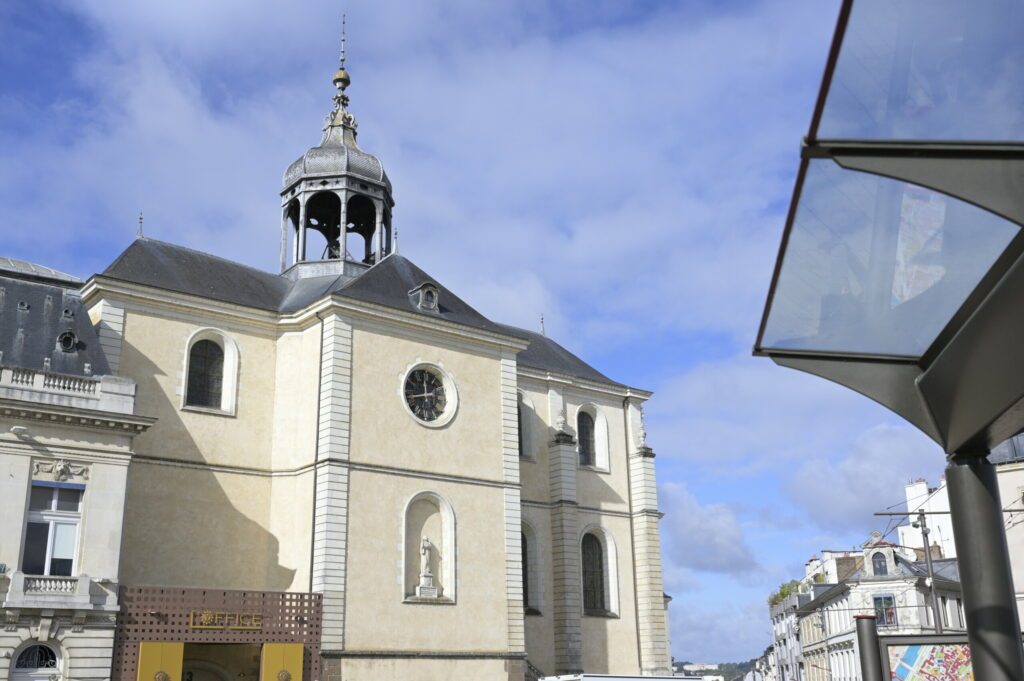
x=585 y=435
x=36 y=657
x=205 y=375
x=879 y=564
x=593 y=575
x=211 y=372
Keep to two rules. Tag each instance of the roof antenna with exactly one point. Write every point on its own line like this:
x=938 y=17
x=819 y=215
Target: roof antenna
x=542 y=331
x=139 y=233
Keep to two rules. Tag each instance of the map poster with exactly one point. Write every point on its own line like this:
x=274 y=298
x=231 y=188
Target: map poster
x=930 y=662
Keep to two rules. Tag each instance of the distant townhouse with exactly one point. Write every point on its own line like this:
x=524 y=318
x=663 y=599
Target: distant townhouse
x=884 y=580
x=1009 y=460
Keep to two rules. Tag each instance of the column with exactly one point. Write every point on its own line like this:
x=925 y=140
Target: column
x=343 y=223
x=378 y=229
x=652 y=624
x=566 y=590
x=284 y=237
x=301 y=253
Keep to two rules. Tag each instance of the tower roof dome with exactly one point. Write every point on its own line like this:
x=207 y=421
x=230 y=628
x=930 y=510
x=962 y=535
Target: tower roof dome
x=338 y=152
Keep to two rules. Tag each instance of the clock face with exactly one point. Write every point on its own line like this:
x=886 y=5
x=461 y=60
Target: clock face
x=424 y=393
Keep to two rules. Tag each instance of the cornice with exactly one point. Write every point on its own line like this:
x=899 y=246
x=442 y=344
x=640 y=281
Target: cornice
x=552 y=377
x=76 y=417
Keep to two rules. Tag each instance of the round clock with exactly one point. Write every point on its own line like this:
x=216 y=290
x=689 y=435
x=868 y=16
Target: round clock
x=425 y=394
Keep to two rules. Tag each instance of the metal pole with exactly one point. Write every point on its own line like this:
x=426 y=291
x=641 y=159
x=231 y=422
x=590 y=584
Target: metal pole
x=936 y=609
x=870 y=653
x=993 y=630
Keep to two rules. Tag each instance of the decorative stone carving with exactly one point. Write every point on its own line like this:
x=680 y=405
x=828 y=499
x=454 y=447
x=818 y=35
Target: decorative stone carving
x=426 y=588
x=61 y=470
x=562 y=434
x=11 y=620
x=642 y=431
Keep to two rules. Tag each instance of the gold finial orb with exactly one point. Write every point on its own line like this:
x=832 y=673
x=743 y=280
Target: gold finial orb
x=341 y=79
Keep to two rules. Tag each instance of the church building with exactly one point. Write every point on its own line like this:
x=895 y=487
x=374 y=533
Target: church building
x=341 y=471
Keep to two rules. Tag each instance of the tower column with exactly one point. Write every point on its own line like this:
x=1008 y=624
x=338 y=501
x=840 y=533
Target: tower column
x=301 y=256
x=343 y=223
x=284 y=237
x=378 y=230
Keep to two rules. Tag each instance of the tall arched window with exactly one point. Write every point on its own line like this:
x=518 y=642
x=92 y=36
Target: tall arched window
x=879 y=564
x=526 y=570
x=593 y=575
x=205 y=375
x=585 y=435
x=522 y=432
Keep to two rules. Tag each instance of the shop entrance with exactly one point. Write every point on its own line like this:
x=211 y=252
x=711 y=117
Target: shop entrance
x=221 y=662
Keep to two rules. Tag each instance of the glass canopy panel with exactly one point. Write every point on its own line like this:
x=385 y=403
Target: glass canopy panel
x=875 y=266
x=929 y=70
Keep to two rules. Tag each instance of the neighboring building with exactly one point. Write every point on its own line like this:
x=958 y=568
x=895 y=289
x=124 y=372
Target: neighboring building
x=1009 y=460
x=353 y=474
x=785 y=649
x=884 y=581
x=66 y=432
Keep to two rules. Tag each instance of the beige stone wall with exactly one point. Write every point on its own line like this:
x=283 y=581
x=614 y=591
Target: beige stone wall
x=198 y=527
x=385 y=434
x=153 y=354
x=297 y=370
x=610 y=643
x=540 y=629
x=534 y=468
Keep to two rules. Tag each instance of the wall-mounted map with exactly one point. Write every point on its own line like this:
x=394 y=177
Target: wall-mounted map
x=931 y=662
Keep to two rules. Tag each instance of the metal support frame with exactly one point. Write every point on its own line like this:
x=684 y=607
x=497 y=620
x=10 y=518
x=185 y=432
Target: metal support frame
x=993 y=629
x=300 y=255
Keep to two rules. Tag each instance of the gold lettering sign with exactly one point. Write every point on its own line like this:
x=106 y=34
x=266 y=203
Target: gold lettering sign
x=210 y=619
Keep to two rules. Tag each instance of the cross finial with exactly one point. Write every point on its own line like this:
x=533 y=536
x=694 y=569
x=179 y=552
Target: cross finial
x=542 y=331
x=139 y=234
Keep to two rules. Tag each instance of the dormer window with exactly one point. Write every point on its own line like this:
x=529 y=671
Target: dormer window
x=425 y=297
x=879 y=565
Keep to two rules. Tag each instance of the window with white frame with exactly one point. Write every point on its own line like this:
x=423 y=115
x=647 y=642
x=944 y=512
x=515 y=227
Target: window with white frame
x=211 y=372
x=885 y=610
x=51 y=529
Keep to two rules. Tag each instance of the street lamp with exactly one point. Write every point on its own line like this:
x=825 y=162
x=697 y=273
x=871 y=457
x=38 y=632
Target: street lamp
x=901 y=269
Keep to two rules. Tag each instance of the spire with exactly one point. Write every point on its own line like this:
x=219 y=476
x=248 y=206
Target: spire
x=341 y=124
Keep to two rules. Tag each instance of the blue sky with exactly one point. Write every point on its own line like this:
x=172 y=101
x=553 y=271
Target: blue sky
x=622 y=168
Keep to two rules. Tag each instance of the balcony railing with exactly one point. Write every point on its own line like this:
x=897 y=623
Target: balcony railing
x=50 y=585
x=49 y=381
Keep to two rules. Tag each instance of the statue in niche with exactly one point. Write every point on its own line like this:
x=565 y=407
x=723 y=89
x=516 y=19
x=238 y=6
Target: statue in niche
x=425 y=547
x=426 y=588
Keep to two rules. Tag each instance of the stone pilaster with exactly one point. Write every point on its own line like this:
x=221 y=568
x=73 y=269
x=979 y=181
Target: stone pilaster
x=330 y=521
x=513 y=516
x=565 y=554
x=110 y=323
x=652 y=624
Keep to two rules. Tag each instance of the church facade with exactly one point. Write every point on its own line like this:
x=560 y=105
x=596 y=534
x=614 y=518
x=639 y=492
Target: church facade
x=353 y=475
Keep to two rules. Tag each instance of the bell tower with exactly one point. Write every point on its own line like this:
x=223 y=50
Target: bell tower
x=336 y=200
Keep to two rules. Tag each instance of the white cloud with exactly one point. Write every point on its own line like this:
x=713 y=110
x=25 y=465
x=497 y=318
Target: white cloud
x=702 y=537
x=843 y=495
x=726 y=632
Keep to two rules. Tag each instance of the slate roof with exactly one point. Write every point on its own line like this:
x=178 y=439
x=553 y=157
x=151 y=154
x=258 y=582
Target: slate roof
x=158 y=264
x=35 y=308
